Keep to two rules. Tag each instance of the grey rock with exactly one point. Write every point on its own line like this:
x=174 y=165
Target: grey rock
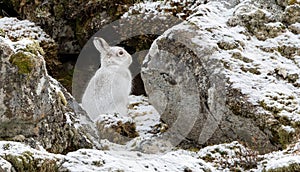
x=295 y=28
x=16 y=30
x=256 y=21
x=70 y=23
x=190 y=92
x=186 y=76
x=34 y=107
x=292 y=14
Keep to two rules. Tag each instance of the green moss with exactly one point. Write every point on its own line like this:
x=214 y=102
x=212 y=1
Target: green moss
x=272 y=109
x=294 y=167
x=26 y=162
x=34 y=48
x=24 y=62
x=194 y=149
x=81 y=29
x=2 y=32
x=59 y=10
x=284 y=137
x=66 y=78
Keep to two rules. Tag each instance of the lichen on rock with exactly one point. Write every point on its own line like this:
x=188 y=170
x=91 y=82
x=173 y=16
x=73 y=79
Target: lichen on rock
x=24 y=61
x=26 y=162
x=33 y=103
x=253 y=53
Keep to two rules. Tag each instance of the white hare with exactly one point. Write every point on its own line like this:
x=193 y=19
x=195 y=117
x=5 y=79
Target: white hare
x=109 y=88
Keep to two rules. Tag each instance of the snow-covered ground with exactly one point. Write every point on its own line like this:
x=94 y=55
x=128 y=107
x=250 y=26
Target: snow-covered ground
x=115 y=157
x=223 y=157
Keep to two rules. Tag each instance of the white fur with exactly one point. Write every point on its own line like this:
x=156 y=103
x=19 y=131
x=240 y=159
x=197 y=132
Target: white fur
x=109 y=88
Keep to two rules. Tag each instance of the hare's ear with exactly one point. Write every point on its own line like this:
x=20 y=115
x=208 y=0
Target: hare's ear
x=101 y=45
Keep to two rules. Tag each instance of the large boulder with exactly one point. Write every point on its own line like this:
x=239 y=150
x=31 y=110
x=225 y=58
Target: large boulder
x=230 y=72
x=34 y=107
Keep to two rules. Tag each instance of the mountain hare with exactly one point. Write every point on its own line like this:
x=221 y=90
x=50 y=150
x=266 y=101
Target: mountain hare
x=109 y=88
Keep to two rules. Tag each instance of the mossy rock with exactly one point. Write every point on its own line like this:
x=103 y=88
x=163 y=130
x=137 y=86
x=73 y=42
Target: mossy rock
x=294 y=167
x=2 y=32
x=34 y=48
x=26 y=162
x=24 y=61
x=285 y=137
x=59 y=11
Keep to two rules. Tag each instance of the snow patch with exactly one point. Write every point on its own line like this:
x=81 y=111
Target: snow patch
x=288 y=129
x=68 y=119
x=18 y=29
x=144 y=115
x=5 y=165
x=40 y=86
x=93 y=160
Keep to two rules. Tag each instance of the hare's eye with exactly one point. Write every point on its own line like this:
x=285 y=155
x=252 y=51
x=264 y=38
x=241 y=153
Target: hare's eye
x=120 y=53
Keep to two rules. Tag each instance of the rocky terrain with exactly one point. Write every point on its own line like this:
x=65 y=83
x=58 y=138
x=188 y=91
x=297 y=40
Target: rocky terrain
x=221 y=80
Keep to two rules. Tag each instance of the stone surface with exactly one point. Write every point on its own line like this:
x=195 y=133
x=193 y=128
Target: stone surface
x=214 y=79
x=223 y=157
x=292 y=14
x=116 y=129
x=70 y=23
x=16 y=30
x=99 y=160
x=34 y=107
